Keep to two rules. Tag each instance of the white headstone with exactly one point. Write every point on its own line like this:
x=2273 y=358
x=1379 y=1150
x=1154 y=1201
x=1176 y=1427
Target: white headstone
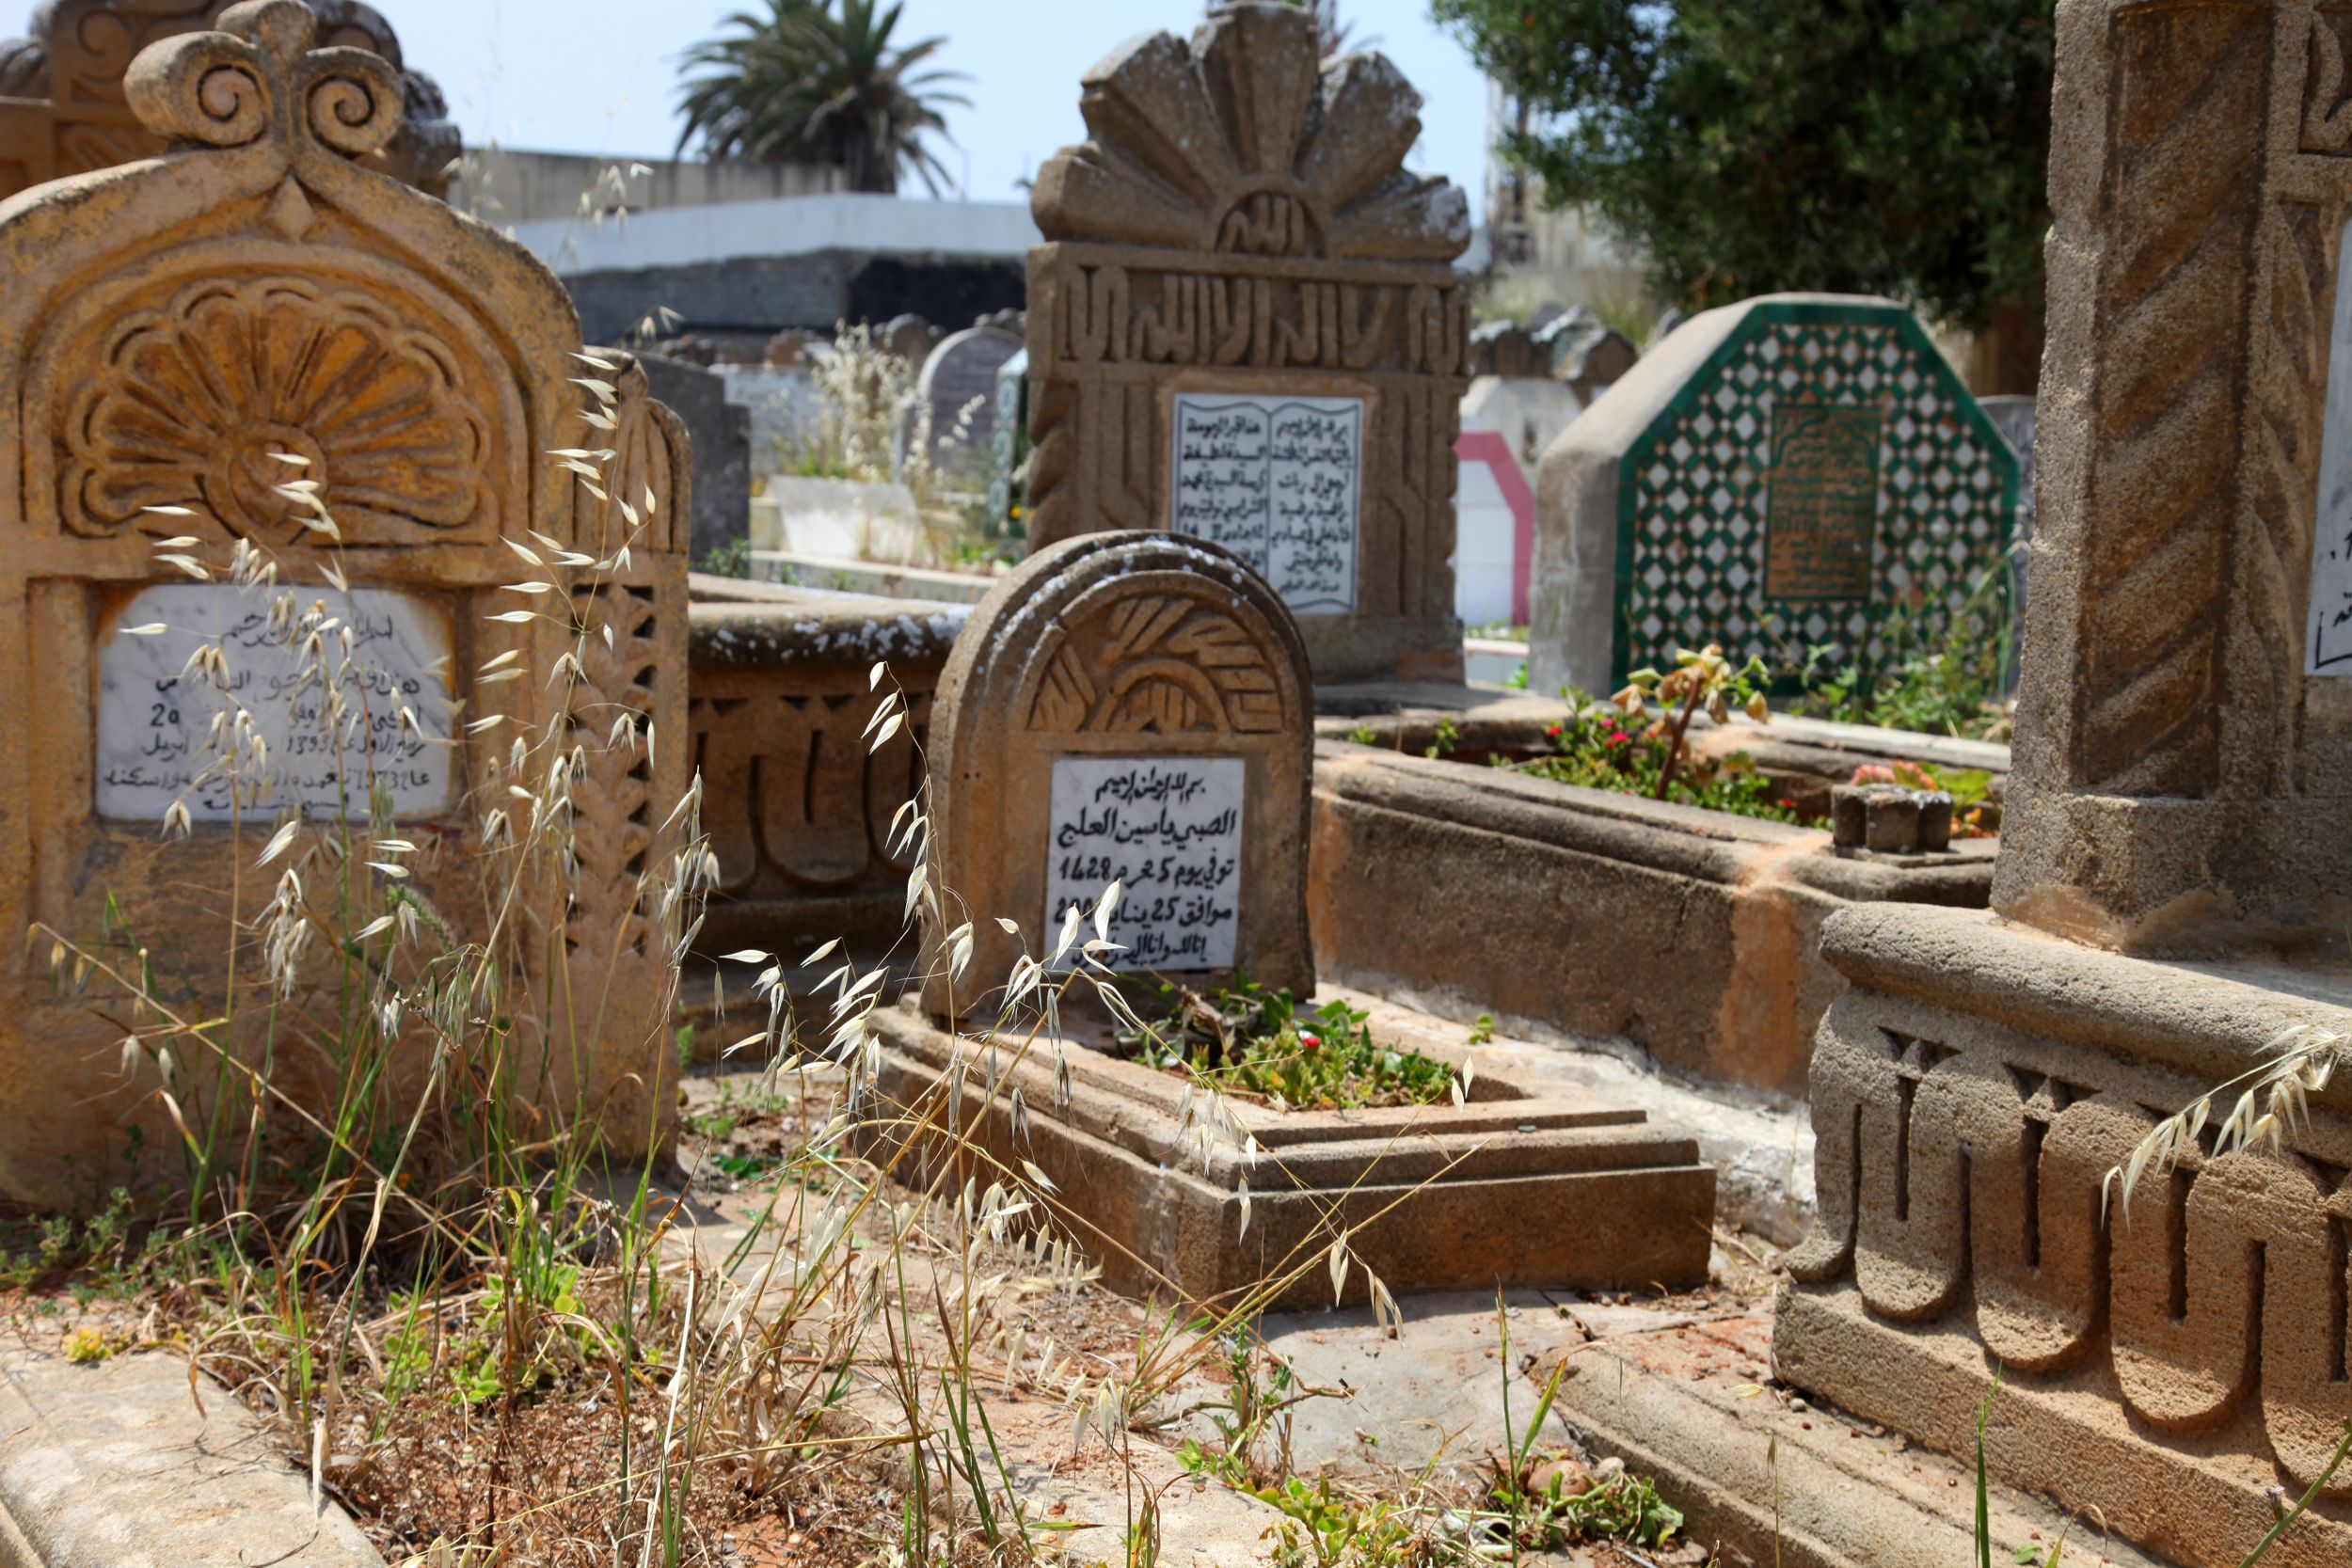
x=153 y=719
x=1278 y=482
x=959 y=380
x=1169 y=830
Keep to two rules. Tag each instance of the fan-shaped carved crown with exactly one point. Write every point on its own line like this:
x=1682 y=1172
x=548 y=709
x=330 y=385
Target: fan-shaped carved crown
x=1245 y=141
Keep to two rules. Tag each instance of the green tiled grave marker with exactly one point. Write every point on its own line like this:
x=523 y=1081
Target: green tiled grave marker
x=1788 y=474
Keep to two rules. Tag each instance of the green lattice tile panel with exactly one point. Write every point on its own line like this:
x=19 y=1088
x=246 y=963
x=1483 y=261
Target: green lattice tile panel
x=1823 y=469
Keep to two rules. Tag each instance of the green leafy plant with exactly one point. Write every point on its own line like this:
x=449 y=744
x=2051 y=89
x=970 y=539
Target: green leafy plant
x=1604 y=746
x=1701 y=679
x=1251 y=1041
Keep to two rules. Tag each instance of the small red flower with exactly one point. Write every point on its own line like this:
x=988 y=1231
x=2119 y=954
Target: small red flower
x=1310 y=1042
x=1618 y=738
x=1553 y=732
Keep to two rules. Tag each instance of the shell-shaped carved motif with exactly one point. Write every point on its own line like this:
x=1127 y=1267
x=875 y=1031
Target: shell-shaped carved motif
x=198 y=403
x=1245 y=141
x=1166 y=664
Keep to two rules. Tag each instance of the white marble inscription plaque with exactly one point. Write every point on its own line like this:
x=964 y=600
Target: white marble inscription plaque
x=1278 y=482
x=2328 y=649
x=153 y=722
x=1170 y=829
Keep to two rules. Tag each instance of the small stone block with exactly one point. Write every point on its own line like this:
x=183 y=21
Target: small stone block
x=1935 y=820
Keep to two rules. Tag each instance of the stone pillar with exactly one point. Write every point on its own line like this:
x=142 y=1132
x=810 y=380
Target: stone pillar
x=2178 y=1362
x=2184 y=746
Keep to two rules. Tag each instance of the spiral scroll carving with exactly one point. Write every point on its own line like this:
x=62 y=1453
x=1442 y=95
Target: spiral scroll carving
x=259 y=76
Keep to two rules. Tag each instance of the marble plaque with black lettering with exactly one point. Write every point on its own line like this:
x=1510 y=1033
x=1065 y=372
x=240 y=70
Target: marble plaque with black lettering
x=1169 y=830
x=1278 y=481
x=153 y=717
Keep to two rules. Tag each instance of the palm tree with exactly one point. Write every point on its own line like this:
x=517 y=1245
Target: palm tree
x=819 y=82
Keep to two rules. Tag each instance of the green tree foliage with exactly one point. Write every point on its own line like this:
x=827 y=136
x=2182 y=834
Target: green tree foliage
x=1891 y=147
x=819 y=82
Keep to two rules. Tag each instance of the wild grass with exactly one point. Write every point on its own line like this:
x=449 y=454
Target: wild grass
x=392 y=1226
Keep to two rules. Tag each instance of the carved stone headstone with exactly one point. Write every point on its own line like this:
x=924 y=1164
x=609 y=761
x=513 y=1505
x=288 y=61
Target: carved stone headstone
x=1129 y=706
x=62 y=109
x=1508 y=348
x=2182 y=746
x=958 y=384
x=1781 y=475
x=1239 y=235
x=169 y=332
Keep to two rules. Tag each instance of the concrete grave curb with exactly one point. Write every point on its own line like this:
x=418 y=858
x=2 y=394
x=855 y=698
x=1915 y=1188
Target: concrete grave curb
x=112 y=1467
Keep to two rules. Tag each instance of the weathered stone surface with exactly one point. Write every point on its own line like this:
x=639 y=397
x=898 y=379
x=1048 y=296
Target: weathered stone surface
x=2185 y=737
x=1571 y=908
x=1970 y=1091
x=1781 y=474
x=165 y=329
x=114 y=1466
x=1169 y=658
x=62 y=109
x=797 y=807
x=1552 y=1187
x=1240 y=227
x=720 y=433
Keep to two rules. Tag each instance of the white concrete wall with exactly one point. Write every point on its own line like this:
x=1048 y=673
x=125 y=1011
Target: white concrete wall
x=787 y=225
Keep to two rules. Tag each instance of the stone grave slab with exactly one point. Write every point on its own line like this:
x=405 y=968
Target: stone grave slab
x=961 y=374
x=1128 y=706
x=1239 y=238
x=1793 y=472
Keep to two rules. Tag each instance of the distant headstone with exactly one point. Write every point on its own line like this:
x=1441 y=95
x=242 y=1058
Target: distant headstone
x=63 y=110
x=1507 y=348
x=1239 y=241
x=959 y=384
x=1009 y=440
x=1596 y=363
x=722 y=434
x=1781 y=475
x=2012 y=414
x=1134 y=707
x=911 y=337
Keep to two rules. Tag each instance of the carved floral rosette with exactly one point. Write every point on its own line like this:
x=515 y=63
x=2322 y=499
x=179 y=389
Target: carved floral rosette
x=1241 y=221
x=173 y=330
x=1126 y=644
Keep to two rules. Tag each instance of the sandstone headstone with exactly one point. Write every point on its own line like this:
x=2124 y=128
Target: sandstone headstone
x=720 y=432
x=1239 y=235
x=167 y=329
x=62 y=109
x=1130 y=706
x=1782 y=475
x=2179 y=787
x=959 y=384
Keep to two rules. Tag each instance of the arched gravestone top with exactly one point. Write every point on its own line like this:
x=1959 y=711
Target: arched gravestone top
x=1126 y=704
x=1245 y=326
x=959 y=371
x=1780 y=475
x=62 y=109
x=168 y=326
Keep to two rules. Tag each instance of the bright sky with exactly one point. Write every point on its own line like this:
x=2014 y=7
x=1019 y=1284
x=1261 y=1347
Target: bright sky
x=598 y=76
